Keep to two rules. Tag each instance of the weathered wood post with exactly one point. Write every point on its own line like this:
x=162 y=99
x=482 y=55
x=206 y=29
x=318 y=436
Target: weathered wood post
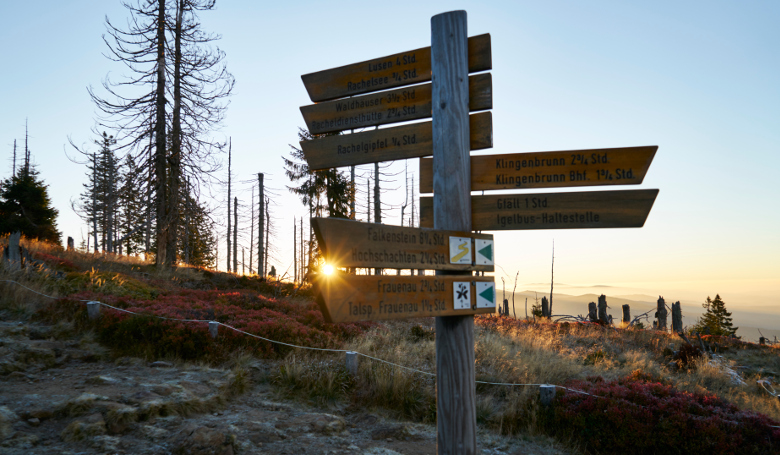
x=213 y=328
x=545 y=308
x=592 y=312
x=546 y=394
x=351 y=360
x=677 y=324
x=603 y=318
x=626 y=315
x=661 y=314
x=455 y=379
x=13 y=254
x=506 y=307
x=71 y=244
x=93 y=310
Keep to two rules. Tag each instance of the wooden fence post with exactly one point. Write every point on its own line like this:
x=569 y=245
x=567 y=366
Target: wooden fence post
x=546 y=394
x=455 y=379
x=677 y=324
x=213 y=328
x=93 y=310
x=592 y=312
x=12 y=253
x=661 y=314
x=626 y=315
x=352 y=363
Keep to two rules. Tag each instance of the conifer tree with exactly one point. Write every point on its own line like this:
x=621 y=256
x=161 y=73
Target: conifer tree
x=25 y=206
x=716 y=320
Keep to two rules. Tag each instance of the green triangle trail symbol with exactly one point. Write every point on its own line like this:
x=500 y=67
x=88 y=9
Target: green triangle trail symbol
x=487 y=251
x=487 y=294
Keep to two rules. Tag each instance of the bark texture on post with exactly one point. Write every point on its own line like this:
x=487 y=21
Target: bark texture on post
x=455 y=386
x=661 y=314
x=603 y=317
x=626 y=315
x=677 y=324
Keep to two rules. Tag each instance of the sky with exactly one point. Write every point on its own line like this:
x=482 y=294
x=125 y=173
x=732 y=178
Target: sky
x=698 y=79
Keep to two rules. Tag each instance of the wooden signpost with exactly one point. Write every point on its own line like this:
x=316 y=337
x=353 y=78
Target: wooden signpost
x=387 y=144
x=347 y=243
x=345 y=100
x=349 y=298
x=591 y=209
x=615 y=166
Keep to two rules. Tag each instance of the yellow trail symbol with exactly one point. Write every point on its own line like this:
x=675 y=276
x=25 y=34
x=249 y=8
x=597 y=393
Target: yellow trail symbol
x=463 y=251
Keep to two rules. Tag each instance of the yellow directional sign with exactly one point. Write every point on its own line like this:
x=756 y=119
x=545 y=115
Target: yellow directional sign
x=347 y=298
x=348 y=243
x=592 y=167
x=587 y=209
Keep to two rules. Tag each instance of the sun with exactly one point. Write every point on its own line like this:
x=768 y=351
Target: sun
x=328 y=269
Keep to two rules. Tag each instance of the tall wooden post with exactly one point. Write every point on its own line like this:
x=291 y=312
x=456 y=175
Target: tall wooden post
x=260 y=226
x=455 y=386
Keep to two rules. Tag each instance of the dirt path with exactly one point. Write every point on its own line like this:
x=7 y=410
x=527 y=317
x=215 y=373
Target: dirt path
x=62 y=395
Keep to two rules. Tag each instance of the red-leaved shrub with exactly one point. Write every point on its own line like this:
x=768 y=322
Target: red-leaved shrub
x=639 y=416
x=145 y=333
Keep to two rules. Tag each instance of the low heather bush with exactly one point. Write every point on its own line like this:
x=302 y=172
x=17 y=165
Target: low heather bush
x=637 y=414
x=147 y=335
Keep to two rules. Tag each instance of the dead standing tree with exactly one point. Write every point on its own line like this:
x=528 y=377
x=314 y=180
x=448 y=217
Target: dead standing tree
x=191 y=76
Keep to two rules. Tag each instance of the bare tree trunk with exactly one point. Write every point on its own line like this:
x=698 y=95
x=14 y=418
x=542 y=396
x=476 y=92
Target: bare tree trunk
x=260 y=225
x=552 y=278
x=302 y=242
x=176 y=140
x=235 y=235
x=377 y=205
x=351 y=179
x=230 y=153
x=267 y=236
x=160 y=155
x=252 y=232
x=295 y=251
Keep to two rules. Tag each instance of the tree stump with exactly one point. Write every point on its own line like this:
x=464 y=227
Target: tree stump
x=602 y=309
x=71 y=244
x=661 y=314
x=677 y=324
x=545 y=308
x=592 y=312
x=626 y=315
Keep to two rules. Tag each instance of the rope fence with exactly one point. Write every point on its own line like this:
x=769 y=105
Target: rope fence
x=546 y=397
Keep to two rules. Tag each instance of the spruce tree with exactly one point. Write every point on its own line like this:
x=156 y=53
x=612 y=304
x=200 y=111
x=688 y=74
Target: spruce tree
x=25 y=207
x=716 y=320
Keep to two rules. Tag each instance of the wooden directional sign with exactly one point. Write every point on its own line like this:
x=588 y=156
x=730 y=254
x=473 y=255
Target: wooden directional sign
x=388 y=144
x=393 y=106
x=592 y=209
x=347 y=243
x=614 y=166
x=348 y=298
x=412 y=67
